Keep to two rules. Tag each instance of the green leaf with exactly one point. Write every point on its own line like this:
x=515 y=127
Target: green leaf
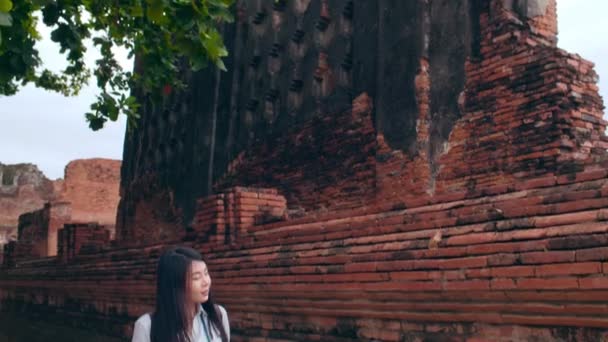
x=198 y=63
x=41 y=2
x=155 y=12
x=6 y=6
x=214 y=45
x=50 y=14
x=161 y=33
x=5 y=19
x=220 y=64
x=137 y=10
x=95 y=122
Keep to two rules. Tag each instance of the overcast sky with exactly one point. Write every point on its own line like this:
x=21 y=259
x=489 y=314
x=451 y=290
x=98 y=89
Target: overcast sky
x=49 y=130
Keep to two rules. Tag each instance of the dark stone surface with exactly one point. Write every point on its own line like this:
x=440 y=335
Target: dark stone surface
x=451 y=42
x=291 y=62
x=400 y=47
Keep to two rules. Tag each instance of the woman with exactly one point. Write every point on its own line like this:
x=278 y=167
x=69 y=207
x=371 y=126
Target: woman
x=184 y=309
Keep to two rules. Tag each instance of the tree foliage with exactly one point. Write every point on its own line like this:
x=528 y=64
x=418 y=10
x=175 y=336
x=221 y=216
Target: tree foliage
x=161 y=33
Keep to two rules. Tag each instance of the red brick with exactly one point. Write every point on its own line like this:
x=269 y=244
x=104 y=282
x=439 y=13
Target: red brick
x=590 y=254
x=456 y=274
x=415 y=275
x=359 y=277
x=572 y=218
x=478 y=273
x=563 y=296
x=470 y=239
x=513 y=272
x=567 y=269
x=591 y=175
x=461 y=263
x=502 y=284
x=549 y=257
x=360 y=267
x=549 y=320
x=547 y=284
x=594 y=283
x=466 y=285
x=395 y=265
x=403 y=286
x=502 y=259
x=536 y=183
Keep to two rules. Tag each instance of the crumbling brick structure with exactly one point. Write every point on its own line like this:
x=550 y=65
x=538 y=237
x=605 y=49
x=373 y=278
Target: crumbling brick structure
x=87 y=194
x=38 y=230
x=444 y=187
x=91 y=186
x=74 y=239
x=23 y=188
x=230 y=215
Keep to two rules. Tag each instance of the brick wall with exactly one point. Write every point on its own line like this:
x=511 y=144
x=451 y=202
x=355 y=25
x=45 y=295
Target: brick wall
x=75 y=239
x=91 y=186
x=530 y=109
x=503 y=266
x=23 y=188
x=89 y=193
x=148 y=213
x=529 y=257
x=496 y=233
x=327 y=164
x=38 y=231
x=228 y=216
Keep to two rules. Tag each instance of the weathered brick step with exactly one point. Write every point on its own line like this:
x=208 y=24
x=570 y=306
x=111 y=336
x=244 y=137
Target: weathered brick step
x=117 y=263
x=367 y=272
x=505 y=210
x=411 y=246
x=403 y=221
x=592 y=179
x=554 y=243
x=482 y=317
x=83 y=285
x=594 y=282
x=579 y=261
x=456 y=236
x=136 y=269
x=588 y=310
x=310 y=329
x=471 y=295
x=362 y=227
x=439 y=281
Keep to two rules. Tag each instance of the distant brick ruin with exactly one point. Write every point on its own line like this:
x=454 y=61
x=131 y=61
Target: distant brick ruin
x=429 y=170
x=23 y=188
x=38 y=208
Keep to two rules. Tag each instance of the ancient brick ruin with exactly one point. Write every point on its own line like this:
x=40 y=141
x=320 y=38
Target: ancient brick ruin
x=23 y=188
x=88 y=194
x=366 y=170
x=91 y=187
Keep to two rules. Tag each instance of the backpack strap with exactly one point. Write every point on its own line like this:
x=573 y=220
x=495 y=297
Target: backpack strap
x=207 y=330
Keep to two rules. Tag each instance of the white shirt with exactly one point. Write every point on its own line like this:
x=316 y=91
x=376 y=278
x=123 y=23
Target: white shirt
x=200 y=332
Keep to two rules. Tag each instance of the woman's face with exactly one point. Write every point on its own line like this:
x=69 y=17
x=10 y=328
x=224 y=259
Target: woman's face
x=200 y=282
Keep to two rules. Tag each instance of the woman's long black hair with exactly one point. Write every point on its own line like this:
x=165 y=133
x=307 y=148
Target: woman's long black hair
x=170 y=321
